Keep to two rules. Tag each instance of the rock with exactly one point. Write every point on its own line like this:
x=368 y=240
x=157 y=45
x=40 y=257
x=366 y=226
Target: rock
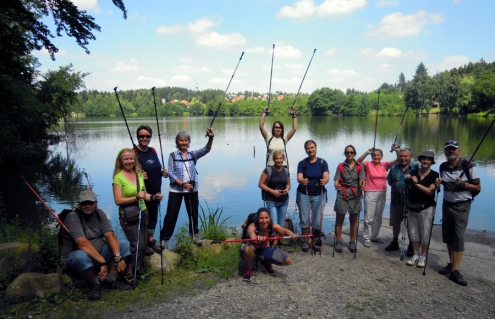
x=29 y=285
x=459 y=308
x=19 y=255
x=170 y=259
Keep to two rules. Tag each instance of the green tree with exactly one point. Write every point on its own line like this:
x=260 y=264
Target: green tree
x=326 y=101
x=484 y=93
x=419 y=92
x=448 y=92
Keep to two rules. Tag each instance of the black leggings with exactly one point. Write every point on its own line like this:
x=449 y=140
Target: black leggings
x=173 y=208
x=131 y=232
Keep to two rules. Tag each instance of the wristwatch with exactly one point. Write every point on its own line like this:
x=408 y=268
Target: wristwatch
x=117 y=255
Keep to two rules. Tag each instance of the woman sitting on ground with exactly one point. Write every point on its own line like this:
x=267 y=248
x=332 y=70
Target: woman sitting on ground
x=421 y=207
x=129 y=194
x=349 y=181
x=277 y=140
x=260 y=230
x=276 y=187
x=375 y=193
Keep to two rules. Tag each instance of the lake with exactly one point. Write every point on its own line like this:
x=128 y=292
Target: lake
x=229 y=174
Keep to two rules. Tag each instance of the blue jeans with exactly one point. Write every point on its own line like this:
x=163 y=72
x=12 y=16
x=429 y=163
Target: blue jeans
x=316 y=205
x=78 y=261
x=278 y=210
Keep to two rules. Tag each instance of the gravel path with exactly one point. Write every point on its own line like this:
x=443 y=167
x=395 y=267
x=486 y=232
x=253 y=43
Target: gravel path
x=373 y=285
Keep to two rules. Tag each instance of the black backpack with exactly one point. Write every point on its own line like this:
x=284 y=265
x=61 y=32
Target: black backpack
x=465 y=169
x=269 y=170
x=253 y=218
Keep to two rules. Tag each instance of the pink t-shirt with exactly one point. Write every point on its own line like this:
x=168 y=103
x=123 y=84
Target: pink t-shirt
x=376 y=178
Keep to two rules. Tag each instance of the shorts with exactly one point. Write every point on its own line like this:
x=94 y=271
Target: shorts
x=419 y=225
x=351 y=205
x=396 y=214
x=454 y=223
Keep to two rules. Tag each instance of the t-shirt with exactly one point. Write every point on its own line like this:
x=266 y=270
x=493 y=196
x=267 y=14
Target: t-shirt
x=418 y=196
x=129 y=189
x=396 y=178
x=313 y=173
x=376 y=177
x=276 y=144
x=278 y=180
x=453 y=193
x=151 y=165
x=91 y=227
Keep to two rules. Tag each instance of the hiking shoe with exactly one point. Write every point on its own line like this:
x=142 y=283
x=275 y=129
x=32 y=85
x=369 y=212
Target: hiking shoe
x=247 y=275
x=376 y=240
x=95 y=293
x=305 y=247
x=410 y=250
x=446 y=270
x=413 y=260
x=155 y=245
x=338 y=246
x=352 y=247
x=149 y=251
x=456 y=277
x=163 y=244
x=367 y=243
x=421 y=262
x=117 y=285
x=269 y=269
x=197 y=240
x=394 y=245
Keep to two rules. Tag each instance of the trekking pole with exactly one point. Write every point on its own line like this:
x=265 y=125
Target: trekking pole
x=223 y=97
x=89 y=183
x=159 y=223
x=357 y=232
x=309 y=219
x=271 y=73
x=404 y=226
x=302 y=81
x=43 y=202
x=256 y=239
x=431 y=230
x=376 y=120
x=398 y=131
x=125 y=120
x=137 y=242
x=477 y=147
x=335 y=226
x=158 y=126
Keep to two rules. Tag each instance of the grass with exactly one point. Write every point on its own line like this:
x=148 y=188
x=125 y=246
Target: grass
x=198 y=269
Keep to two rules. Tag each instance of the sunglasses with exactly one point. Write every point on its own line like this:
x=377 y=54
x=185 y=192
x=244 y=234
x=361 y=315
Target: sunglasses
x=375 y=155
x=349 y=153
x=277 y=127
x=86 y=203
x=144 y=136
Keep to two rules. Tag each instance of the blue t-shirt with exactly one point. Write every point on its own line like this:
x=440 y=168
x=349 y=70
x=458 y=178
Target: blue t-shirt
x=313 y=173
x=151 y=165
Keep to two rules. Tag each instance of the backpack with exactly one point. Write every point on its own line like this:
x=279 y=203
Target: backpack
x=253 y=218
x=305 y=167
x=465 y=169
x=194 y=159
x=63 y=233
x=341 y=180
x=269 y=170
x=268 y=152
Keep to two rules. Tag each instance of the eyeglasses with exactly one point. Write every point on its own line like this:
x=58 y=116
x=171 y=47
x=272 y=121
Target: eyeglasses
x=375 y=155
x=144 y=136
x=279 y=127
x=86 y=203
x=350 y=153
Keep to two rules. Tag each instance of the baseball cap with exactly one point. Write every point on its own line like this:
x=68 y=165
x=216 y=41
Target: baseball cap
x=452 y=143
x=87 y=195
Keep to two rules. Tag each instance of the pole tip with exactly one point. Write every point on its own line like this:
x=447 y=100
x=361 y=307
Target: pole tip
x=314 y=51
x=153 y=88
x=115 y=89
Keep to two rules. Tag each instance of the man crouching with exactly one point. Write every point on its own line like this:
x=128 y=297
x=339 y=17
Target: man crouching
x=90 y=249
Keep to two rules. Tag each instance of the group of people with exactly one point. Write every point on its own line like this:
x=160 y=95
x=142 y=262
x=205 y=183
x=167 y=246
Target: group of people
x=92 y=251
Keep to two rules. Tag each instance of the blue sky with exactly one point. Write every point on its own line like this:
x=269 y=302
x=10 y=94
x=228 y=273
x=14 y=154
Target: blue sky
x=360 y=44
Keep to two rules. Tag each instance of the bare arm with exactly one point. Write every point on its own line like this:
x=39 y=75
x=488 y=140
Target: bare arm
x=293 y=130
x=209 y=132
x=283 y=231
x=365 y=154
x=85 y=245
x=396 y=149
x=264 y=133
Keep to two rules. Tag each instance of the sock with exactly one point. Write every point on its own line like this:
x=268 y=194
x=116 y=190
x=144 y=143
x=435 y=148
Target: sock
x=395 y=239
x=89 y=275
x=112 y=277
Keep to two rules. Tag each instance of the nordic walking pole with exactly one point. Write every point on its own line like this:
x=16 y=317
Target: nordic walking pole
x=302 y=81
x=220 y=104
x=125 y=120
x=431 y=231
x=335 y=226
x=398 y=131
x=477 y=147
x=89 y=183
x=43 y=202
x=404 y=226
x=376 y=120
x=137 y=241
x=256 y=239
x=270 y=87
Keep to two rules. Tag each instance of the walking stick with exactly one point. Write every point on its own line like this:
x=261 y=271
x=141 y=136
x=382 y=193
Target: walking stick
x=376 y=120
x=256 y=239
x=335 y=226
x=398 y=131
x=89 y=183
x=404 y=227
x=431 y=230
x=125 y=120
x=477 y=147
x=302 y=81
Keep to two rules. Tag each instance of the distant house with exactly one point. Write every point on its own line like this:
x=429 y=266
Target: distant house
x=186 y=103
x=163 y=100
x=435 y=104
x=281 y=97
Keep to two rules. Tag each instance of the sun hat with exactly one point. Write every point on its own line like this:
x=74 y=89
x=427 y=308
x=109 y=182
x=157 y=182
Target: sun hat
x=428 y=154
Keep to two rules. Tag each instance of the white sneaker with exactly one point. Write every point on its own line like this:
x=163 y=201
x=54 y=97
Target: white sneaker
x=367 y=243
x=421 y=261
x=197 y=240
x=413 y=260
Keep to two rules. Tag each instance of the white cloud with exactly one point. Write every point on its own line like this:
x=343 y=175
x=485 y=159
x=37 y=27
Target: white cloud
x=283 y=50
x=86 y=4
x=255 y=50
x=342 y=73
x=180 y=79
x=331 y=51
x=390 y=53
x=215 y=39
x=383 y=3
x=188 y=69
x=137 y=16
x=384 y=68
x=304 y=9
x=147 y=82
x=367 y=52
x=173 y=29
x=399 y=25
x=339 y=7
x=202 y=25
x=448 y=63
x=126 y=66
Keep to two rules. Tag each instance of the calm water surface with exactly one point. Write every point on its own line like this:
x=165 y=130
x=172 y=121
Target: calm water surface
x=229 y=174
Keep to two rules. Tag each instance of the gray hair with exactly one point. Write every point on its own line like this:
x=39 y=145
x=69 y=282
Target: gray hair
x=406 y=149
x=277 y=153
x=180 y=135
